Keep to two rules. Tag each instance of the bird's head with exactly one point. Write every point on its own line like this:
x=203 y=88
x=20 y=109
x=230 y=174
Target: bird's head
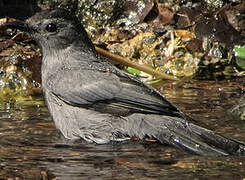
x=54 y=30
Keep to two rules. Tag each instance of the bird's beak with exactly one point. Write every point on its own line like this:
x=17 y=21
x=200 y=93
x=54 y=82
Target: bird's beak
x=19 y=25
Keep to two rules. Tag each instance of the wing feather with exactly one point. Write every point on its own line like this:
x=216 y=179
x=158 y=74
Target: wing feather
x=108 y=92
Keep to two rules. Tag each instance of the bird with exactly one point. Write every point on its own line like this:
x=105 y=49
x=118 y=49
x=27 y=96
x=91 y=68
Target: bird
x=91 y=99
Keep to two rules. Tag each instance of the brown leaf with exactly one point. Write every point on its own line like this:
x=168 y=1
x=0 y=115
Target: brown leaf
x=184 y=34
x=164 y=16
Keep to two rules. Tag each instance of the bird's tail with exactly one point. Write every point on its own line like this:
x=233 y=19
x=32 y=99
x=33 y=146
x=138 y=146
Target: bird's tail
x=187 y=136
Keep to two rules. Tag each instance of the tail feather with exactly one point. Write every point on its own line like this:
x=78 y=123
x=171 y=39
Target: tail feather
x=230 y=146
x=192 y=143
x=202 y=141
x=187 y=136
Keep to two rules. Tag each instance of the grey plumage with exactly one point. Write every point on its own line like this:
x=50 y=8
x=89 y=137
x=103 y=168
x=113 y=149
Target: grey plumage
x=90 y=98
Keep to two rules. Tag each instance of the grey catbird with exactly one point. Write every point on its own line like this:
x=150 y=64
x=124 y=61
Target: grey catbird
x=90 y=98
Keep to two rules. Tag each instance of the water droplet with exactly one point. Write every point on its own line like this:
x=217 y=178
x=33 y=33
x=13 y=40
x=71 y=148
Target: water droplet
x=176 y=140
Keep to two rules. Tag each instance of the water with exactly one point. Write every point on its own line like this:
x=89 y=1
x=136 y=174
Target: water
x=31 y=147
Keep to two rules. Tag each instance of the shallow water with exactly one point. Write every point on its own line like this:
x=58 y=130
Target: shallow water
x=31 y=148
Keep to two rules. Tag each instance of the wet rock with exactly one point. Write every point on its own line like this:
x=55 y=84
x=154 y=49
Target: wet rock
x=214 y=3
x=186 y=65
x=216 y=61
x=94 y=14
x=135 y=11
x=20 y=67
x=14 y=84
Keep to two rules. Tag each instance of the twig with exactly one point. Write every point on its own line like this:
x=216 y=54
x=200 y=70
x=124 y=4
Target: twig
x=127 y=62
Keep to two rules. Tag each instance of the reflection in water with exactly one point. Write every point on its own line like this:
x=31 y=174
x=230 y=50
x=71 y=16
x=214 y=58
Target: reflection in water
x=31 y=148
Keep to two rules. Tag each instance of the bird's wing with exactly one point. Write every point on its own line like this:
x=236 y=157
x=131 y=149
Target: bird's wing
x=108 y=92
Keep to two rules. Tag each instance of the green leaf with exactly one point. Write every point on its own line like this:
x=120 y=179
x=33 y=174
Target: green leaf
x=239 y=51
x=133 y=71
x=240 y=62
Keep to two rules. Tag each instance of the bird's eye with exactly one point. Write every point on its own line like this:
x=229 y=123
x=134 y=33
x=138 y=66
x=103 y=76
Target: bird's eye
x=51 y=27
